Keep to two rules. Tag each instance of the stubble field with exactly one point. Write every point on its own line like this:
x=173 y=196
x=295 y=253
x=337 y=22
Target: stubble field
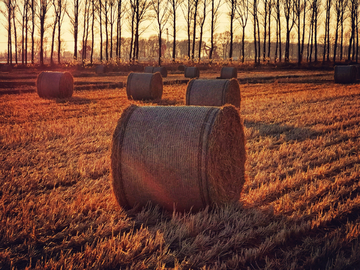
x=299 y=208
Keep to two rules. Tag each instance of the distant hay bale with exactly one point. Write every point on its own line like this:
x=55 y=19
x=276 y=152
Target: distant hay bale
x=55 y=84
x=192 y=72
x=162 y=70
x=148 y=69
x=142 y=86
x=181 y=68
x=100 y=69
x=345 y=74
x=179 y=157
x=228 y=73
x=213 y=92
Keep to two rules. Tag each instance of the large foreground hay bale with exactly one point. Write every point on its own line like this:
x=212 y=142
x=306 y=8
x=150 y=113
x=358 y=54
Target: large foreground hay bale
x=228 y=73
x=162 y=70
x=179 y=157
x=55 y=84
x=100 y=69
x=192 y=72
x=142 y=86
x=345 y=74
x=213 y=92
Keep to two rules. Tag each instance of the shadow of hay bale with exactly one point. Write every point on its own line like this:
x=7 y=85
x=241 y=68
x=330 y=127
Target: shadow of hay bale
x=75 y=100
x=274 y=130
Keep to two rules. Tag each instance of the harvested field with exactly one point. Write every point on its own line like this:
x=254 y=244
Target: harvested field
x=299 y=208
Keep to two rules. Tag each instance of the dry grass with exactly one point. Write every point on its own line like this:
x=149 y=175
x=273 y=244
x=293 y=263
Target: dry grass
x=299 y=208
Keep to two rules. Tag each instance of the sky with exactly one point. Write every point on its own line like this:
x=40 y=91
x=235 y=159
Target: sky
x=67 y=36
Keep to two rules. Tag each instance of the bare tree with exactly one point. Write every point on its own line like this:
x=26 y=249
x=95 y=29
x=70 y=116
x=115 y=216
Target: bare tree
x=340 y=6
x=290 y=21
x=14 y=6
x=24 y=32
x=300 y=6
x=254 y=14
x=353 y=8
x=161 y=15
x=188 y=11
x=106 y=14
x=327 y=31
x=56 y=20
x=139 y=8
x=112 y=22
x=8 y=13
x=174 y=6
x=232 y=6
x=215 y=5
x=92 y=30
x=278 y=31
x=86 y=26
x=33 y=10
x=202 y=17
x=242 y=10
x=118 y=29
x=265 y=16
x=196 y=3
x=44 y=8
x=74 y=20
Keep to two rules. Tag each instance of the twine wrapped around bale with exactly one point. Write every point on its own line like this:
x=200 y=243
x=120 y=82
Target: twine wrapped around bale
x=55 y=84
x=100 y=69
x=162 y=70
x=228 y=73
x=345 y=74
x=192 y=72
x=142 y=86
x=179 y=157
x=213 y=92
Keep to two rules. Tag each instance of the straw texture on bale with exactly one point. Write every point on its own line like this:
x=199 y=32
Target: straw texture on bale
x=179 y=157
x=162 y=70
x=55 y=84
x=192 y=72
x=142 y=86
x=228 y=73
x=213 y=92
x=345 y=74
x=100 y=69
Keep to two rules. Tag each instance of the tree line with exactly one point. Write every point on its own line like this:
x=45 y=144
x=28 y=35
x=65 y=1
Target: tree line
x=273 y=26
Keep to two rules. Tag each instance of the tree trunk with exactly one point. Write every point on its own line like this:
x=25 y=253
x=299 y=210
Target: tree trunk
x=59 y=29
x=100 y=26
x=15 y=35
x=194 y=29
x=53 y=40
x=32 y=30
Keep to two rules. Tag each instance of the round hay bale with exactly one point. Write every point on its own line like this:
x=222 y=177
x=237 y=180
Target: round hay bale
x=179 y=157
x=192 y=72
x=345 y=74
x=162 y=70
x=213 y=92
x=100 y=69
x=142 y=86
x=55 y=84
x=228 y=73
x=181 y=68
x=148 y=69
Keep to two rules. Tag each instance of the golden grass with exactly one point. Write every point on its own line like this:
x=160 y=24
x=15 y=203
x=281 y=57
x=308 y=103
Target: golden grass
x=299 y=208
